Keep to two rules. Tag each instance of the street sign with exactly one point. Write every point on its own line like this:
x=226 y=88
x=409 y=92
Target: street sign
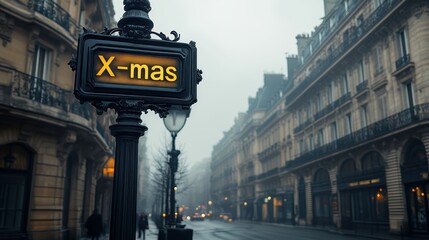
x=111 y=68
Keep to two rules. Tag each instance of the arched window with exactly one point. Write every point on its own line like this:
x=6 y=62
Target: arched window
x=348 y=168
x=416 y=155
x=371 y=162
x=321 y=176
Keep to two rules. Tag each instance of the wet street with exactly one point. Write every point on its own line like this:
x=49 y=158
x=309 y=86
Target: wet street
x=216 y=230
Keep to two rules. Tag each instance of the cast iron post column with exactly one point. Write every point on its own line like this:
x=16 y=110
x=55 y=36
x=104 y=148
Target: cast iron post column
x=135 y=23
x=174 y=162
x=127 y=132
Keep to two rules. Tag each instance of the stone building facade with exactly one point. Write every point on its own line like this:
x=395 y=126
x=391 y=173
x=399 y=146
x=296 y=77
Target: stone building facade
x=52 y=148
x=346 y=143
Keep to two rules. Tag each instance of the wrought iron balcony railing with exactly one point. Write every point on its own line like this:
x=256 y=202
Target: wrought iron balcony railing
x=331 y=107
x=356 y=33
x=403 y=61
x=377 y=129
x=328 y=109
x=56 y=13
x=362 y=86
x=48 y=94
x=269 y=173
x=273 y=149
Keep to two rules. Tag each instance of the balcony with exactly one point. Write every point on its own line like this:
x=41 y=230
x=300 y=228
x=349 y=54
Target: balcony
x=362 y=86
x=271 y=150
x=331 y=107
x=271 y=173
x=36 y=95
x=354 y=36
x=403 y=61
x=383 y=127
x=53 y=11
x=302 y=126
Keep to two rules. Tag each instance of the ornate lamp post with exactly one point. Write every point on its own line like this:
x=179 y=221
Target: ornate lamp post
x=174 y=122
x=103 y=64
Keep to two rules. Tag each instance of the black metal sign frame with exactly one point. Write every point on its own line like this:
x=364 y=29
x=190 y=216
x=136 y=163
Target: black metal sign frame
x=99 y=49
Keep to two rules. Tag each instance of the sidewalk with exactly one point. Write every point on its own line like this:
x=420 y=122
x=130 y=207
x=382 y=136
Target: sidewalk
x=151 y=233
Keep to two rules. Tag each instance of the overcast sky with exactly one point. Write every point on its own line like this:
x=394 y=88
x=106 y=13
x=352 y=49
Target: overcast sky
x=237 y=41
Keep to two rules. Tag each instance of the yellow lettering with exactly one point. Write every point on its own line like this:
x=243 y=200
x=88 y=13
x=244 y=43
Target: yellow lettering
x=171 y=74
x=139 y=71
x=157 y=74
x=106 y=66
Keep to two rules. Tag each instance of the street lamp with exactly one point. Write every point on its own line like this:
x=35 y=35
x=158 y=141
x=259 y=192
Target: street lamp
x=174 y=122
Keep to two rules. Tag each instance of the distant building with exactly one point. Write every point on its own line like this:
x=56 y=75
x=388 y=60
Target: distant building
x=346 y=144
x=52 y=148
x=196 y=195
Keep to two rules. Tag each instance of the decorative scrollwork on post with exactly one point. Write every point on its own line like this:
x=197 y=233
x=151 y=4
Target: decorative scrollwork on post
x=130 y=105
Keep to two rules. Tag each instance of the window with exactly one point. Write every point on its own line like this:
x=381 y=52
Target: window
x=300 y=113
x=364 y=115
x=348 y=123
x=318 y=103
x=320 y=137
x=408 y=95
x=382 y=106
x=345 y=82
x=309 y=111
x=301 y=146
x=311 y=142
x=330 y=95
x=377 y=3
x=41 y=62
x=402 y=43
x=378 y=59
x=334 y=134
x=361 y=71
x=346 y=6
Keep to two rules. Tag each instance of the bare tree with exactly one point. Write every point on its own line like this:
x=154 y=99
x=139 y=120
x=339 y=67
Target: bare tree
x=160 y=178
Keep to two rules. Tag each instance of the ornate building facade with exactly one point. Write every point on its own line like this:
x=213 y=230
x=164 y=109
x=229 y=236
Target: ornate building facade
x=346 y=144
x=52 y=148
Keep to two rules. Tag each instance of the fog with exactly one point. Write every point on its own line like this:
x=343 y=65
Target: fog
x=237 y=41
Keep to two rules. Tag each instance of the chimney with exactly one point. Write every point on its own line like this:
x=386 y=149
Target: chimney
x=292 y=65
x=302 y=41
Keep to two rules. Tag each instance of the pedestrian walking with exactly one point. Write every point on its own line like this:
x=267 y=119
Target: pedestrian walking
x=143 y=225
x=94 y=225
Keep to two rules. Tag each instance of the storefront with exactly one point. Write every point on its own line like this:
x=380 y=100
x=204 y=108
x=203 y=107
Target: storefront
x=284 y=208
x=363 y=195
x=322 y=207
x=416 y=184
